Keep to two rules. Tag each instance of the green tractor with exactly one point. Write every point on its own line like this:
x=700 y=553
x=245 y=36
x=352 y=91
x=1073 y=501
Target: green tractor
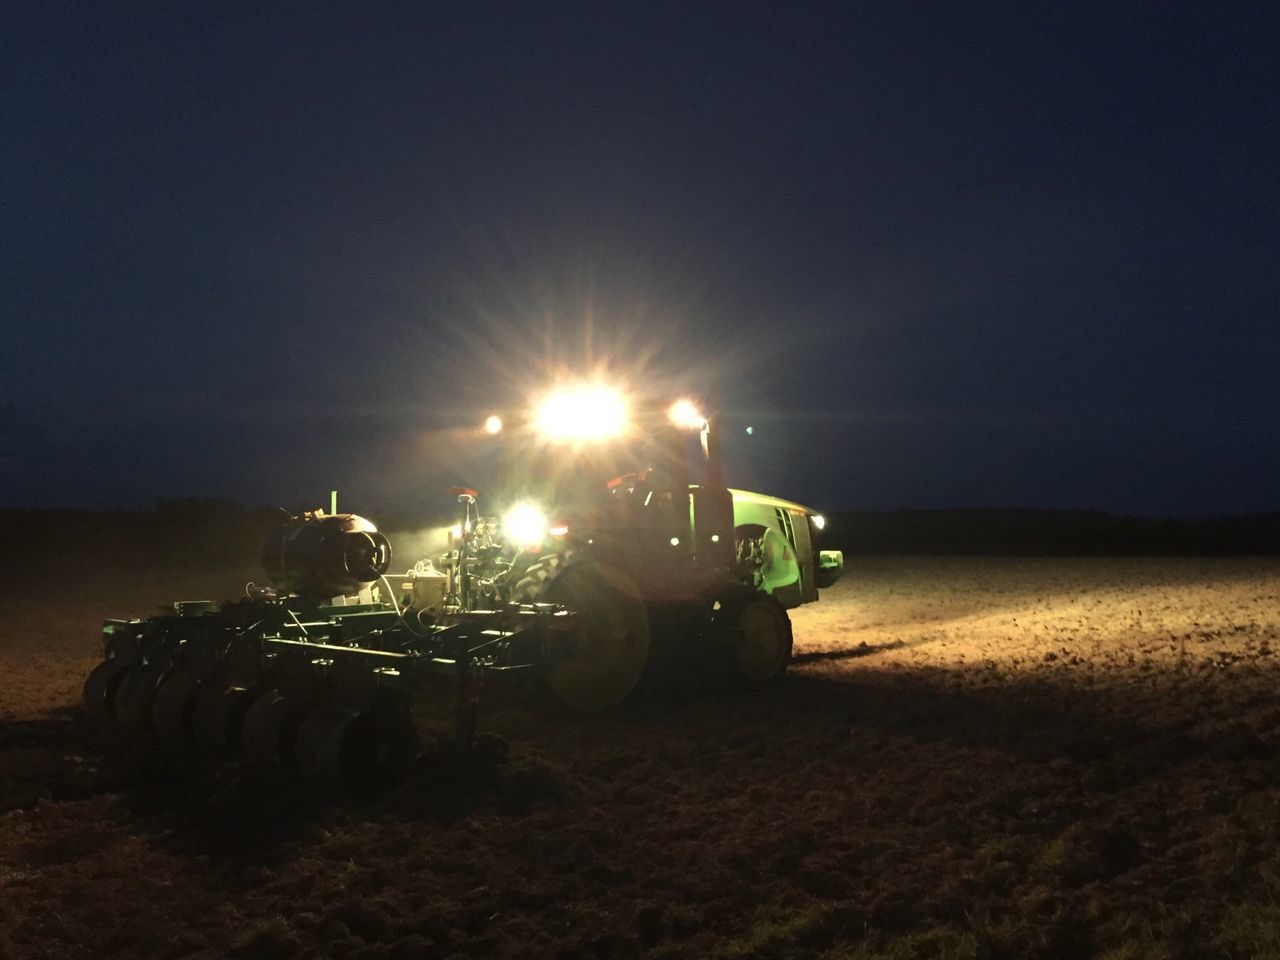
x=620 y=557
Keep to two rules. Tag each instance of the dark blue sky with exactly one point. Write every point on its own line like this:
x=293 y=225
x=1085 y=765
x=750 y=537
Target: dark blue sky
x=936 y=255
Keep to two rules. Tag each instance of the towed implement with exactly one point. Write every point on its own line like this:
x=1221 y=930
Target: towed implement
x=621 y=559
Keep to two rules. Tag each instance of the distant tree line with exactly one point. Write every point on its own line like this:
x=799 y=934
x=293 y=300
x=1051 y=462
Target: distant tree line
x=1051 y=533
x=219 y=533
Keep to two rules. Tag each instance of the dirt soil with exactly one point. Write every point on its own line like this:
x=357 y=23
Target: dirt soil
x=969 y=758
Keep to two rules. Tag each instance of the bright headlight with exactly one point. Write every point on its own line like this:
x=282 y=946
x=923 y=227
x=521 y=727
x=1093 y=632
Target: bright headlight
x=819 y=521
x=582 y=413
x=685 y=413
x=525 y=525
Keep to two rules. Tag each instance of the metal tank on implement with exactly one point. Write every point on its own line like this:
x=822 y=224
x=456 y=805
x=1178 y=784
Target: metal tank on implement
x=315 y=555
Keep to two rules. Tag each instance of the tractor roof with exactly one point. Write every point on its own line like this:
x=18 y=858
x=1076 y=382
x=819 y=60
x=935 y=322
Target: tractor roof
x=767 y=501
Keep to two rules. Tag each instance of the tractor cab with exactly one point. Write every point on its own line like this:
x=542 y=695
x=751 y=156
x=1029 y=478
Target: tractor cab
x=621 y=482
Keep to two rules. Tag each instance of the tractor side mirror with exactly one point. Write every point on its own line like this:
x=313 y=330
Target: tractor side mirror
x=830 y=567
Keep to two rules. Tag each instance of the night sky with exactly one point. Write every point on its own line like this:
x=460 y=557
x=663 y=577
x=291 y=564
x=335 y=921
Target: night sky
x=943 y=255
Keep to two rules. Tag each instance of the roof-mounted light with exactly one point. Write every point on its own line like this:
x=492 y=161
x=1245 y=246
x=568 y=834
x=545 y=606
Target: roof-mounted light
x=685 y=413
x=581 y=413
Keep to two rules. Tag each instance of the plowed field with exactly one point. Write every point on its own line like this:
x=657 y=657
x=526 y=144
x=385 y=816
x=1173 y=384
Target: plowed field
x=970 y=758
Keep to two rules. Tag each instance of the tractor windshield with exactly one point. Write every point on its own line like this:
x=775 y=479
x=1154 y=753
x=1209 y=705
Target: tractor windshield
x=561 y=477
x=567 y=477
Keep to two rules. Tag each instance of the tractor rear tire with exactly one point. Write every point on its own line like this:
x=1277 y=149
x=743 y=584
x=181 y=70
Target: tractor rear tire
x=609 y=646
x=533 y=582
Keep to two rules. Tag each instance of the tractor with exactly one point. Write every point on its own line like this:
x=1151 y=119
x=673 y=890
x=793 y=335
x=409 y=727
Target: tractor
x=620 y=559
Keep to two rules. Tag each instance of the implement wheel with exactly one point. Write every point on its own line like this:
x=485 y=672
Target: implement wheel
x=100 y=690
x=609 y=645
x=271 y=726
x=217 y=715
x=261 y=733
x=174 y=705
x=134 y=696
x=360 y=749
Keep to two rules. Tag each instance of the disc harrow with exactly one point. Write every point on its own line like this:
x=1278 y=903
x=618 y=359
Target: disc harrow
x=326 y=688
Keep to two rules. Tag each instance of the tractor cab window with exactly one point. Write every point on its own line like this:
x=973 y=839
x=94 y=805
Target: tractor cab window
x=558 y=475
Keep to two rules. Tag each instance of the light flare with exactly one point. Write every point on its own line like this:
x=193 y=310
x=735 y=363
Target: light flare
x=525 y=525
x=685 y=413
x=591 y=412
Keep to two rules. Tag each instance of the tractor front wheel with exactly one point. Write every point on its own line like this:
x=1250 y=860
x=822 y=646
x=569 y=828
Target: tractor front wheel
x=761 y=646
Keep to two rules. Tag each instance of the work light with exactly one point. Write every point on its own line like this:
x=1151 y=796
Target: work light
x=685 y=413
x=525 y=525
x=581 y=413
